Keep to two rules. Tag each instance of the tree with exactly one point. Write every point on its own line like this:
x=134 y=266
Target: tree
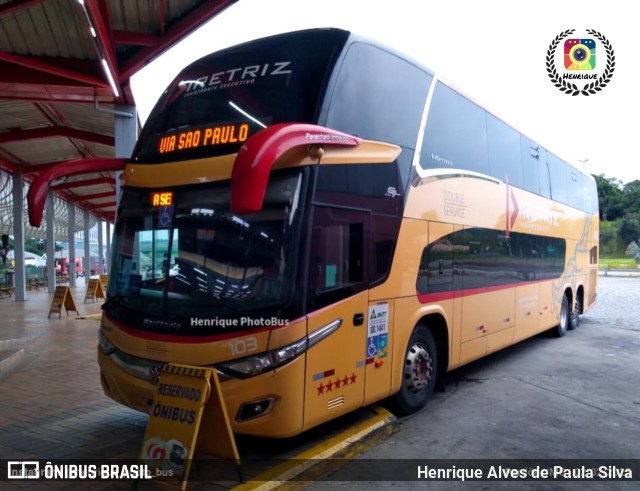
x=610 y=197
x=37 y=246
x=631 y=196
x=629 y=229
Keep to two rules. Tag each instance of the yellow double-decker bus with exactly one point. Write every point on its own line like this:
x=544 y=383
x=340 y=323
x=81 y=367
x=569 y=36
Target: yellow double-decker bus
x=328 y=224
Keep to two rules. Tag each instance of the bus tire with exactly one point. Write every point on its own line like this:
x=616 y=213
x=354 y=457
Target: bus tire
x=575 y=314
x=419 y=372
x=565 y=318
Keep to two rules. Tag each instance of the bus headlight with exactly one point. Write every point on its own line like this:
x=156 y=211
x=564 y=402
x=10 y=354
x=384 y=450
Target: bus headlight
x=257 y=364
x=106 y=346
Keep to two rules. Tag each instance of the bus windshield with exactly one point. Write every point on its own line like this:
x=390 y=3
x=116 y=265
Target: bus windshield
x=180 y=254
x=218 y=102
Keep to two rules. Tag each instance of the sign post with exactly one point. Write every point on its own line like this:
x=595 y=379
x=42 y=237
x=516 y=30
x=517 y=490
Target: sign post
x=62 y=298
x=182 y=397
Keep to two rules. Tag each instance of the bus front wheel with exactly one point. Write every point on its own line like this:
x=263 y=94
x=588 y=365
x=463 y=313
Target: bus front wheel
x=419 y=371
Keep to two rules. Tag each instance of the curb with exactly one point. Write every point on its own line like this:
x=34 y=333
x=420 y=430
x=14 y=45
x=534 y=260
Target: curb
x=9 y=360
x=326 y=457
x=12 y=344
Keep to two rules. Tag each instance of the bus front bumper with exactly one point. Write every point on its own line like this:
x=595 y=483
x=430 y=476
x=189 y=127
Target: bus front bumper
x=283 y=387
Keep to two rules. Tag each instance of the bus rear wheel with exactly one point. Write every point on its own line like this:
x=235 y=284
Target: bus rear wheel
x=575 y=314
x=419 y=372
x=565 y=318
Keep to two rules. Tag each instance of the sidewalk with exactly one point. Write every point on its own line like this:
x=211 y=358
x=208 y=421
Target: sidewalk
x=625 y=273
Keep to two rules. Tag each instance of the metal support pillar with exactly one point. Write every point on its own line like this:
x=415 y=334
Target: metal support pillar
x=100 y=250
x=86 y=262
x=71 y=212
x=108 y=241
x=126 y=134
x=51 y=244
x=18 y=236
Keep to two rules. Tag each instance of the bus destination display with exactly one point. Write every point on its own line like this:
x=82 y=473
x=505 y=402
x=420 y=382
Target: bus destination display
x=211 y=136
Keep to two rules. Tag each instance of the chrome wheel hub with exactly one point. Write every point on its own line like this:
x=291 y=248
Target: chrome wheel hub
x=418 y=368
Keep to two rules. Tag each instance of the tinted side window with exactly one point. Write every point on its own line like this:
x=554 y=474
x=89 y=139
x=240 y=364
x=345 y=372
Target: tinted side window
x=504 y=151
x=479 y=257
x=374 y=187
x=339 y=258
x=532 y=155
x=543 y=177
x=378 y=96
x=435 y=274
x=558 y=174
x=455 y=134
x=574 y=188
x=590 y=195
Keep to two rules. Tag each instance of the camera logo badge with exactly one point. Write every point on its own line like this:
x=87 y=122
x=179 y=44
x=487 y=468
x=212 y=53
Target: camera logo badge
x=571 y=62
x=579 y=54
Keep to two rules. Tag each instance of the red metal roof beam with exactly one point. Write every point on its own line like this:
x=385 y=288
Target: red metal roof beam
x=56 y=131
x=10 y=7
x=9 y=166
x=40 y=66
x=190 y=22
x=98 y=19
x=37 y=193
x=133 y=38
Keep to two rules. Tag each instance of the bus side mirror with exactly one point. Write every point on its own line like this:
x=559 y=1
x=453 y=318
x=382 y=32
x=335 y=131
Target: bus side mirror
x=250 y=174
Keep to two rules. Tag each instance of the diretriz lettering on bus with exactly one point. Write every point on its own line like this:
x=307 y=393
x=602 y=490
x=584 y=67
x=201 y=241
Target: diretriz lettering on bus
x=239 y=73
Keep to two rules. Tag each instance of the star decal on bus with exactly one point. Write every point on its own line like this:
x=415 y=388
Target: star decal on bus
x=338 y=383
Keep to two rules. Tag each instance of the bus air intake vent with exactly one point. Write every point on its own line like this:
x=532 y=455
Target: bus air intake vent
x=333 y=403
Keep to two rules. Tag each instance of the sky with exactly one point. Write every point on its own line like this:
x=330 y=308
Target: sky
x=493 y=51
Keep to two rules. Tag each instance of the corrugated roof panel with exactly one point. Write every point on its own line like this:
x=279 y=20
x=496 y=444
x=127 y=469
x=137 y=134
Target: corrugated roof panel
x=91 y=190
x=145 y=15
x=71 y=33
x=100 y=150
x=85 y=116
x=41 y=34
x=55 y=28
x=141 y=16
x=13 y=37
x=45 y=150
x=177 y=8
x=15 y=114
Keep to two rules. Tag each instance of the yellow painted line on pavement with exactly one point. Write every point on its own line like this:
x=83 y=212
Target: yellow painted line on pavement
x=295 y=473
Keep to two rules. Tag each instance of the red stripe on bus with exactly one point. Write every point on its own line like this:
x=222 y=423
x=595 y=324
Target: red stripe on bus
x=439 y=297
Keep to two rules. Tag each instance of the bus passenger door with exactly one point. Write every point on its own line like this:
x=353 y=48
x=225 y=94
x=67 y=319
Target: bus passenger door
x=338 y=291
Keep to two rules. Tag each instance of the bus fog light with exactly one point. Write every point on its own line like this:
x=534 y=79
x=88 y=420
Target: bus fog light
x=250 y=410
x=106 y=346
